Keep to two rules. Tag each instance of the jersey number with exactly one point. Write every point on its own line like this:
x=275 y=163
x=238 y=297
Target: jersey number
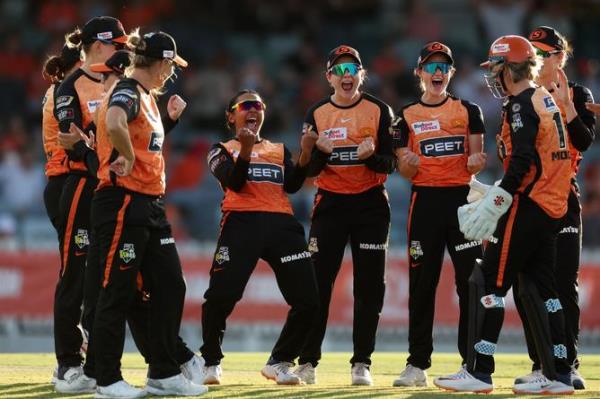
x=561 y=131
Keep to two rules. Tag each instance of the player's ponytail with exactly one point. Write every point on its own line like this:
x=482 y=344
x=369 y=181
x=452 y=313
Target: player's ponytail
x=527 y=70
x=75 y=40
x=136 y=42
x=56 y=67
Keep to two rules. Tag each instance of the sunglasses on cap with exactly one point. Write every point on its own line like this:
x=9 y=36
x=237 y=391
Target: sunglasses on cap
x=247 y=105
x=431 y=67
x=341 y=69
x=546 y=54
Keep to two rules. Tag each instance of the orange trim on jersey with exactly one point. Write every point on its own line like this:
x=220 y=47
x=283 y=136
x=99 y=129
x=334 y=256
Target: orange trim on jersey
x=506 y=242
x=410 y=212
x=318 y=199
x=115 y=240
x=223 y=220
x=70 y=221
x=139 y=282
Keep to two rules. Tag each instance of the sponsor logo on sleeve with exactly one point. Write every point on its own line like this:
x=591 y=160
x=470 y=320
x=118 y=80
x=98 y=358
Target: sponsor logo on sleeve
x=516 y=123
x=63 y=101
x=550 y=104
x=65 y=114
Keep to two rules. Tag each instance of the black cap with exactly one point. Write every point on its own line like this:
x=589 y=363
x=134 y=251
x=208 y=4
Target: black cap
x=69 y=55
x=546 y=39
x=162 y=46
x=106 y=29
x=434 y=48
x=115 y=64
x=340 y=51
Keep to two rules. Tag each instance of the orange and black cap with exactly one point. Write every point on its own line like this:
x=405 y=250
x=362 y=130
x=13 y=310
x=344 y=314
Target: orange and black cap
x=340 y=51
x=162 y=46
x=117 y=63
x=434 y=48
x=105 y=29
x=546 y=39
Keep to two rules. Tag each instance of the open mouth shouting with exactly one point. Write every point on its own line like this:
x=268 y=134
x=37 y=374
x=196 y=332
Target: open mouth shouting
x=252 y=122
x=437 y=82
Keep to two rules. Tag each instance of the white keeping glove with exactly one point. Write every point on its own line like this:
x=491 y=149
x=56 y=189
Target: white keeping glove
x=465 y=211
x=483 y=215
x=477 y=191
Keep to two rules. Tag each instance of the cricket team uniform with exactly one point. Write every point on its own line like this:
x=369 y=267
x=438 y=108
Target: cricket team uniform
x=439 y=135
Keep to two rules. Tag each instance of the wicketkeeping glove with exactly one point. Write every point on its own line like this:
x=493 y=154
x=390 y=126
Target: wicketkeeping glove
x=477 y=190
x=482 y=216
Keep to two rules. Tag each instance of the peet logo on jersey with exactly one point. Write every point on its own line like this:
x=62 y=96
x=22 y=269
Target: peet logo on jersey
x=336 y=133
x=426 y=126
x=156 y=142
x=550 y=105
x=344 y=156
x=93 y=105
x=443 y=146
x=265 y=172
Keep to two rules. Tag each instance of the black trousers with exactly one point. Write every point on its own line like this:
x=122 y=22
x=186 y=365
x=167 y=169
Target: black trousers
x=71 y=217
x=244 y=238
x=568 y=252
x=126 y=247
x=432 y=227
x=524 y=242
x=364 y=219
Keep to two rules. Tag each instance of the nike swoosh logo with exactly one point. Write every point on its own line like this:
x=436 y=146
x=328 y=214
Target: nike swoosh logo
x=218 y=269
x=413 y=265
x=77 y=253
x=124 y=267
x=345 y=120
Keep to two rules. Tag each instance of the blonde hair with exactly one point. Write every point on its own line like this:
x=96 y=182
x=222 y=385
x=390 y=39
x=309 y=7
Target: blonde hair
x=526 y=70
x=135 y=41
x=567 y=50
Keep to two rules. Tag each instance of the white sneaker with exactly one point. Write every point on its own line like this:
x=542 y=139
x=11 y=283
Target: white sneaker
x=307 y=373
x=281 y=373
x=120 y=389
x=577 y=380
x=75 y=381
x=463 y=381
x=543 y=386
x=411 y=377
x=533 y=376
x=211 y=375
x=192 y=370
x=361 y=375
x=177 y=385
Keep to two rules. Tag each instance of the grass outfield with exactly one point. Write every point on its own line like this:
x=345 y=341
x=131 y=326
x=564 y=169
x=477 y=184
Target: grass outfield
x=28 y=375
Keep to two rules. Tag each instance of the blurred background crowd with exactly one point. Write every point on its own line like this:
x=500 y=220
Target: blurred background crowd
x=277 y=47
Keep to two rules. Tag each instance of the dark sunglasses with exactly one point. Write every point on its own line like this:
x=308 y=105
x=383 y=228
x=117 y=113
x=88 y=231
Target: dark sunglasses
x=431 y=67
x=341 y=69
x=247 y=105
x=546 y=54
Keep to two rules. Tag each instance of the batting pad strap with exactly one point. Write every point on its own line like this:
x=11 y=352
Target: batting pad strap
x=486 y=348
x=560 y=351
x=492 y=301
x=553 y=305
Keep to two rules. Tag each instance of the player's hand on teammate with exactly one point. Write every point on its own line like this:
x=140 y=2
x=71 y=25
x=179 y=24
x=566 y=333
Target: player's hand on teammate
x=122 y=166
x=324 y=144
x=476 y=162
x=366 y=149
x=68 y=140
x=175 y=107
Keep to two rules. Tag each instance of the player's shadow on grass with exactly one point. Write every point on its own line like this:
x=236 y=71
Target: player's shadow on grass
x=21 y=390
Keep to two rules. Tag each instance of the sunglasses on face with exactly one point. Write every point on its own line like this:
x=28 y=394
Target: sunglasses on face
x=546 y=54
x=341 y=69
x=247 y=105
x=118 y=46
x=431 y=67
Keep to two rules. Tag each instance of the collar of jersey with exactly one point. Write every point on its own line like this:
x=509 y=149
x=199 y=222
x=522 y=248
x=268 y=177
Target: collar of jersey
x=90 y=77
x=346 y=106
x=435 y=105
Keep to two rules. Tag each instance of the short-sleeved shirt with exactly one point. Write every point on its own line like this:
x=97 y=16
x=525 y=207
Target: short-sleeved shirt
x=76 y=101
x=439 y=135
x=347 y=127
x=146 y=133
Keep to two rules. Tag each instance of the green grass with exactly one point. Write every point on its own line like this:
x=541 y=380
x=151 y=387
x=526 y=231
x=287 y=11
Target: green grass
x=28 y=376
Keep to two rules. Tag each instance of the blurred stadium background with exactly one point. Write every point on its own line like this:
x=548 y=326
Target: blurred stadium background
x=277 y=47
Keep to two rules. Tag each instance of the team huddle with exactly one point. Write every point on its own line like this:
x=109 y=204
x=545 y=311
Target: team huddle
x=103 y=137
